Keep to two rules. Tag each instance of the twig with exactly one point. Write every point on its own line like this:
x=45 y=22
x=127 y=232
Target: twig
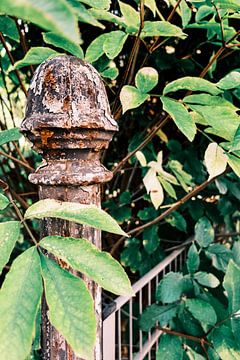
x=16 y=160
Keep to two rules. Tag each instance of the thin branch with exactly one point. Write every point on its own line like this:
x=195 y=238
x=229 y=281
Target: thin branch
x=20 y=162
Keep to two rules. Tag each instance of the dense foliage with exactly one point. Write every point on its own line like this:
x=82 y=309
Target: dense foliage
x=171 y=70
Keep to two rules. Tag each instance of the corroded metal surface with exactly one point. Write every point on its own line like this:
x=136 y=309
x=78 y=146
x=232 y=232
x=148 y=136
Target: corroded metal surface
x=68 y=121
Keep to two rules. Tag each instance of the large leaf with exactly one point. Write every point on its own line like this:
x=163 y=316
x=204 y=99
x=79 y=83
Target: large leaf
x=83 y=14
x=215 y=160
x=131 y=97
x=83 y=214
x=224 y=343
x=193 y=84
x=180 y=116
x=113 y=43
x=9 y=28
x=193 y=259
x=130 y=18
x=231 y=284
x=204 y=232
x=230 y=81
x=234 y=163
x=63 y=43
x=98 y=4
x=51 y=15
x=71 y=309
x=9 y=135
x=202 y=311
x=156 y=313
x=235 y=144
x=220 y=256
x=206 y=279
x=36 y=56
x=9 y=234
x=4 y=202
x=98 y=265
x=170 y=348
x=146 y=79
x=19 y=302
x=162 y=28
x=209 y=100
x=170 y=288
x=95 y=49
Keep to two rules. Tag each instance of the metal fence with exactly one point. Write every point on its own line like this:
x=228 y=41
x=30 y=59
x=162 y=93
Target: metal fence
x=122 y=339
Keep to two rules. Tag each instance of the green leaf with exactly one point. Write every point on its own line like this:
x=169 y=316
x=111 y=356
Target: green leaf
x=220 y=256
x=167 y=187
x=9 y=234
x=193 y=84
x=230 y=81
x=235 y=144
x=234 y=163
x=63 y=43
x=20 y=298
x=202 y=311
x=71 y=309
x=236 y=252
x=4 y=202
x=180 y=116
x=131 y=255
x=183 y=177
x=110 y=73
x=9 y=135
x=84 y=15
x=186 y=13
x=161 y=28
x=176 y=219
x=151 y=4
x=146 y=79
x=170 y=348
x=106 y=16
x=193 y=355
x=209 y=100
x=95 y=49
x=170 y=288
x=193 y=259
x=154 y=313
x=224 y=343
x=131 y=17
x=231 y=284
x=82 y=214
x=204 y=232
x=85 y=257
x=228 y=4
x=215 y=160
x=151 y=239
x=206 y=279
x=36 y=56
x=131 y=97
x=113 y=43
x=9 y=28
x=98 y=4
x=51 y=15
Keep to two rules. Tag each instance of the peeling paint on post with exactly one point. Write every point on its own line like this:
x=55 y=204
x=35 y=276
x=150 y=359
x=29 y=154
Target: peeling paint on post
x=68 y=120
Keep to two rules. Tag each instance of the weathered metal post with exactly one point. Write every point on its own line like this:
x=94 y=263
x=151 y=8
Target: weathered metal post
x=68 y=120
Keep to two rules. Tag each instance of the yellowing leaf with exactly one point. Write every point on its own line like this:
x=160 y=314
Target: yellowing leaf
x=146 y=79
x=141 y=158
x=154 y=188
x=215 y=160
x=131 y=97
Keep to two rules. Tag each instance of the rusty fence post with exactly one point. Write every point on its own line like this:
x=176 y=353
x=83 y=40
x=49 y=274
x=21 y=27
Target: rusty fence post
x=68 y=121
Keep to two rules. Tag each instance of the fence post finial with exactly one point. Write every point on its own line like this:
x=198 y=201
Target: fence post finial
x=68 y=120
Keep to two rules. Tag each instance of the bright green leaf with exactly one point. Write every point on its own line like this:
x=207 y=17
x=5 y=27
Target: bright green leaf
x=110 y=73
x=4 y=202
x=83 y=14
x=85 y=257
x=183 y=177
x=9 y=28
x=206 y=279
x=9 y=234
x=170 y=348
x=113 y=43
x=106 y=16
x=151 y=4
x=131 y=97
x=235 y=144
x=228 y=4
x=180 y=116
x=51 y=15
x=170 y=288
x=83 y=214
x=98 y=4
x=95 y=49
x=131 y=17
x=204 y=232
x=215 y=160
x=231 y=284
x=202 y=311
x=234 y=163
x=71 y=309
x=167 y=187
x=193 y=84
x=146 y=79
x=230 y=81
x=161 y=28
x=193 y=259
x=209 y=100
x=63 y=43
x=9 y=135
x=154 y=313
x=186 y=13
x=35 y=56
x=20 y=298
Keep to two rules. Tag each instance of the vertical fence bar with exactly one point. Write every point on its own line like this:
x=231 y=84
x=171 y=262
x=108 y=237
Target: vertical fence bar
x=130 y=330
x=119 y=336
x=68 y=120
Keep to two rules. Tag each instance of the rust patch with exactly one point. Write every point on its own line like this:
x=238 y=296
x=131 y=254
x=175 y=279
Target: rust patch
x=50 y=79
x=66 y=103
x=45 y=135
